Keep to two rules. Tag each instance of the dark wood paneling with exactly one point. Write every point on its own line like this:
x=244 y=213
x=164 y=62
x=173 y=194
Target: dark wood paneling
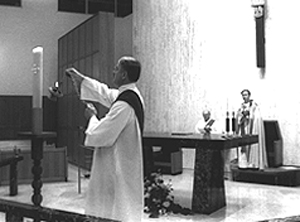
x=70 y=39
x=88 y=65
x=81 y=49
x=95 y=37
x=64 y=50
x=15 y=115
x=82 y=42
x=89 y=37
x=75 y=44
x=95 y=65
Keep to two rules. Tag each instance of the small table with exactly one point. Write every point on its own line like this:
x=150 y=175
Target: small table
x=208 y=187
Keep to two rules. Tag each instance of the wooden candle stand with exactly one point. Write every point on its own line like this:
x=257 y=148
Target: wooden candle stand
x=37 y=141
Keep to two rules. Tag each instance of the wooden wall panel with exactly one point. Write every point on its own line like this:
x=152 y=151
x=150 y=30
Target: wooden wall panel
x=88 y=65
x=60 y=54
x=70 y=49
x=88 y=37
x=59 y=77
x=62 y=138
x=93 y=59
x=95 y=35
x=69 y=84
x=81 y=66
x=64 y=50
x=75 y=44
x=50 y=116
x=62 y=107
x=70 y=145
x=69 y=113
x=95 y=65
x=82 y=121
x=15 y=115
x=64 y=80
x=76 y=113
x=81 y=41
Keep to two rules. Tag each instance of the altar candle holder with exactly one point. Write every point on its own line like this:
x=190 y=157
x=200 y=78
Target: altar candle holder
x=36 y=135
x=227 y=123
x=233 y=123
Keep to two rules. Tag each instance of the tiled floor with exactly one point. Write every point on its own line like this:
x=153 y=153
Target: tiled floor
x=245 y=201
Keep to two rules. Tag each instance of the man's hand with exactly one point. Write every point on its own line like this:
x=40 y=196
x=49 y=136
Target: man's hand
x=76 y=77
x=90 y=111
x=207 y=129
x=72 y=72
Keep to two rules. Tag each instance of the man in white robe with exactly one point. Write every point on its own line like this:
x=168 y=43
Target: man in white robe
x=116 y=186
x=205 y=125
x=250 y=122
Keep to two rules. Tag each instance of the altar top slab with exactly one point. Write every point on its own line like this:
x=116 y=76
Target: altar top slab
x=191 y=140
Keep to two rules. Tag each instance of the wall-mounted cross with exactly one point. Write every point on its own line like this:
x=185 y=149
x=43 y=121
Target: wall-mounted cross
x=259 y=14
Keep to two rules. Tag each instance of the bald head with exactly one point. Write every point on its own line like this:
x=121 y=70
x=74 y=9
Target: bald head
x=206 y=114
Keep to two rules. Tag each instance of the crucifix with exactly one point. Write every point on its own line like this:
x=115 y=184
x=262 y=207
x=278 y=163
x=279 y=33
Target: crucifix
x=259 y=14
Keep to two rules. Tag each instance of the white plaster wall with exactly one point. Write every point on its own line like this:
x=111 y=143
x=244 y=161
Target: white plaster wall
x=37 y=22
x=202 y=53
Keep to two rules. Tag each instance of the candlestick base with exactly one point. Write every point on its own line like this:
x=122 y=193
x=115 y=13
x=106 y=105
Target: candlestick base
x=37 y=155
x=37 y=121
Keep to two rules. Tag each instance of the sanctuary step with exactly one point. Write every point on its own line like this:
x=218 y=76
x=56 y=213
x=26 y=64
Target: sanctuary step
x=285 y=175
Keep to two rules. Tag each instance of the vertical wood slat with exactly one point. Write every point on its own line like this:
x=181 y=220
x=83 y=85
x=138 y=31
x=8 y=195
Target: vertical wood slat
x=95 y=65
x=95 y=35
x=62 y=108
x=88 y=65
x=70 y=49
x=75 y=44
x=81 y=41
x=64 y=50
x=82 y=66
x=60 y=78
x=89 y=37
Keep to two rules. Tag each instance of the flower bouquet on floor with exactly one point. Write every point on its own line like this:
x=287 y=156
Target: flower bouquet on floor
x=159 y=199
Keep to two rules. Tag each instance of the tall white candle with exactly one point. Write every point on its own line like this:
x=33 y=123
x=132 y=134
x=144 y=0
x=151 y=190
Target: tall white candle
x=37 y=90
x=227 y=104
x=37 y=82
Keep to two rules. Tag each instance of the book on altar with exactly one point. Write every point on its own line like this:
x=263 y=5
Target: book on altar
x=210 y=122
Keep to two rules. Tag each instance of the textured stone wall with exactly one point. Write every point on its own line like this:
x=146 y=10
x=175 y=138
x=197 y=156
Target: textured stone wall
x=198 y=54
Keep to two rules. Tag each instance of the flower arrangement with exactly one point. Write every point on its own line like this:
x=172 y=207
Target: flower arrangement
x=158 y=197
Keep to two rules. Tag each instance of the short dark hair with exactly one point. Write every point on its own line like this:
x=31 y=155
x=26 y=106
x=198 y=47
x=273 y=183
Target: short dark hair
x=246 y=90
x=132 y=66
